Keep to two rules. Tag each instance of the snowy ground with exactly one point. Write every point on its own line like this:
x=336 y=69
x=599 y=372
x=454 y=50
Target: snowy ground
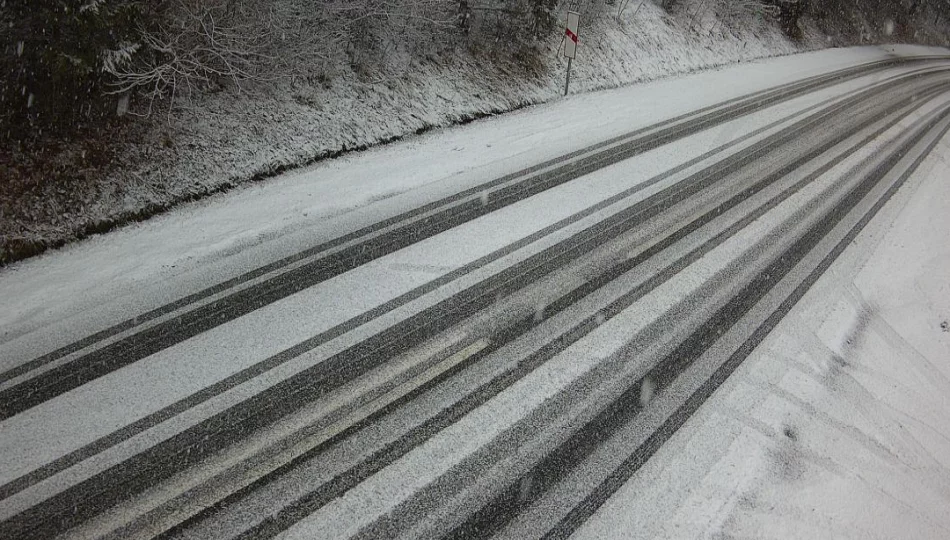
x=137 y=268
x=229 y=138
x=838 y=425
x=824 y=408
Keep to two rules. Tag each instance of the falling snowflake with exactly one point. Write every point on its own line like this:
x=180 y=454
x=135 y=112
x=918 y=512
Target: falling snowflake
x=122 y=107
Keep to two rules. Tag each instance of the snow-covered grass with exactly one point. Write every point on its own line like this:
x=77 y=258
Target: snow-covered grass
x=214 y=142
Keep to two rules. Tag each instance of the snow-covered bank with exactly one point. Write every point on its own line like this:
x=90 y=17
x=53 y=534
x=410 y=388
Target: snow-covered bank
x=837 y=425
x=156 y=409
x=107 y=278
x=229 y=138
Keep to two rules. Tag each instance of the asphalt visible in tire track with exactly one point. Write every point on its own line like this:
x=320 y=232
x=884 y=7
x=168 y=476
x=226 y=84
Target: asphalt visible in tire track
x=168 y=412
x=120 y=483
x=560 y=461
x=270 y=363
x=327 y=492
x=420 y=226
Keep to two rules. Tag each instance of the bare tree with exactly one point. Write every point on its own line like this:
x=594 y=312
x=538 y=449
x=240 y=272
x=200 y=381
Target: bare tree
x=197 y=44
x=736 y=11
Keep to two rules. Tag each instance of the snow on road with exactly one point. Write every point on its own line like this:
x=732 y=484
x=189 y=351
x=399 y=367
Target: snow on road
x=73 y=420
x=109 y=278
x=835 y=424
x=838 y=425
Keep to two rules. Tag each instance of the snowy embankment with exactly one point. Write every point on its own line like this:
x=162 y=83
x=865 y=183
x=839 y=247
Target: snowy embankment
x=836 y=416
x=232 y=137
x=837 y=425
x=112 y=277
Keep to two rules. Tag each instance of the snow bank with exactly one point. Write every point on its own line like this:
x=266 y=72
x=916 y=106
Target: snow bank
x=229 y=138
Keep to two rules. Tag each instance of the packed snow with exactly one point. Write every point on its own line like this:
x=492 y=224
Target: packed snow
x=838 y=425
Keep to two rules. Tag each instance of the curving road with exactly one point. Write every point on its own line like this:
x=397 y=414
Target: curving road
x=496 y=362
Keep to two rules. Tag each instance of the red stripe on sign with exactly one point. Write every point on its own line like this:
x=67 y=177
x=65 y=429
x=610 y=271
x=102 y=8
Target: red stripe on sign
x=572 y=35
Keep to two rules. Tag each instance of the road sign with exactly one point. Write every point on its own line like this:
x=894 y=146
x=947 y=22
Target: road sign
x=570 y=44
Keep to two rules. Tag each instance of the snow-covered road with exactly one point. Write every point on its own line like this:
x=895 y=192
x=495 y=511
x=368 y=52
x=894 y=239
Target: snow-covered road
x=486 y=331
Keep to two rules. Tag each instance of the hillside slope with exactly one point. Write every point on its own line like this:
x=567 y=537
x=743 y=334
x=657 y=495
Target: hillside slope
x=212 y=142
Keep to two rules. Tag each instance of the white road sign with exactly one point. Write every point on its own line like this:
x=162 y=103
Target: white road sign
x=570 y=44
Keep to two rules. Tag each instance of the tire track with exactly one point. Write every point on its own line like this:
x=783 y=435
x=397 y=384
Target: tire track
x=561 y=461
x=127 y=479
x=316 y=499
x=365 y=245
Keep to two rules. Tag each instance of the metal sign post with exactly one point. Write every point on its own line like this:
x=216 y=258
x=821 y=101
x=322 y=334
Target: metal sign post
x=570 y=44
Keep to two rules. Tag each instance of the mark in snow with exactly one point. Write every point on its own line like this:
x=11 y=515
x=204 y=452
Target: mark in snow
x=788 y=459
x=945 y=326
